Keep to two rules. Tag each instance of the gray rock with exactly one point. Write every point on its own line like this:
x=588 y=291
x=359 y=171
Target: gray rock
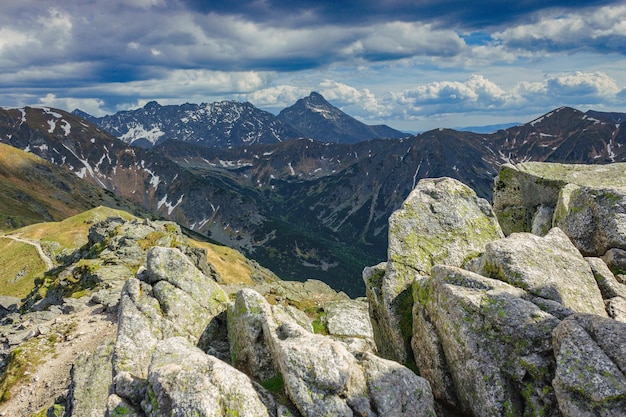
x=442 y=221
x=521 y=189
x=118 y=407
x=248 y=350
x=92 y=376
x=590 y=377
x=542 y=222
x=388 y=291
x=616 y=260
x=8 y=304
x=182 y=302
x=348 y=321
x=608 y=284
x=593 y=218
x=184 y=381
x=395 y=390
x=493 y=345
x=140 y=327
x=616 y=307
x=172 y=266
x=549 y=267
x=427 y=348
x=321 y=376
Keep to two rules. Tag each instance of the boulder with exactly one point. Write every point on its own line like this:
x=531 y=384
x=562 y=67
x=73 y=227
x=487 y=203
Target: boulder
x=594 y=218
x=613 y=292
x=92 y=376
x=118 y=407
x=248 y=350
x=396 y=390
x=521 y=190
x=549 y=267
x=616 y=261
x=484 y=348
x=323 y=378
x=184 y=381
x=590 y=377
x=321 y=374
x=441 y=222
x=349 y=322
x=175 y=299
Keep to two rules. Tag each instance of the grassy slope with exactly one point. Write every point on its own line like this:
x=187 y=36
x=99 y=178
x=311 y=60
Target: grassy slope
x=33 y=190
x=20 y=263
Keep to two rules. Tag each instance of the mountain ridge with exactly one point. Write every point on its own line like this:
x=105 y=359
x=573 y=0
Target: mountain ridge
x=226 y=124
x=303 y=208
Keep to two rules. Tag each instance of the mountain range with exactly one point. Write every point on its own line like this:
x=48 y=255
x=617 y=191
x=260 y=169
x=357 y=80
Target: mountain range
x=303 y=207
x=228 y=124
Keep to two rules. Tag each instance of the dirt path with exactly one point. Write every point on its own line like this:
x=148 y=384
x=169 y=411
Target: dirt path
x=45 y=258
x=89 y=329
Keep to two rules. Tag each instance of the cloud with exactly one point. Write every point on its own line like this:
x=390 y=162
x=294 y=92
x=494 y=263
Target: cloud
x=454 y=96
x=89 y=105
x=602 y=29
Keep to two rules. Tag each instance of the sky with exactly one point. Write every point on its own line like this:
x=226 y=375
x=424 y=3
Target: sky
x=414 y=65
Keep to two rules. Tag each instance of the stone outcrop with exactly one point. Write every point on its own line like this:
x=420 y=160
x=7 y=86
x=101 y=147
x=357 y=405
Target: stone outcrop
x=441 y=222
x=185 y=347
x=320 y=375
x=590 y=376
x=528 y=193
x=549 y=267
x=519 y=325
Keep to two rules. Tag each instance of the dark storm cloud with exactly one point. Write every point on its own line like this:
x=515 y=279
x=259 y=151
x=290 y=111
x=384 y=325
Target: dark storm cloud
x=463 y=13
x=384 y=58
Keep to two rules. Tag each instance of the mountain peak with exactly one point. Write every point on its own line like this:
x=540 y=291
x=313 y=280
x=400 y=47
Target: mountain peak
x=316 y=97
x=316 y=118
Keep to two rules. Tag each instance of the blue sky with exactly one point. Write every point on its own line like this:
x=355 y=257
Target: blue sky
x=412 y=64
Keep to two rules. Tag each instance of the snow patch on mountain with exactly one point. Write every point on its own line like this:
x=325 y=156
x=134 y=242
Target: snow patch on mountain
x=170 y=207
x=139 y=131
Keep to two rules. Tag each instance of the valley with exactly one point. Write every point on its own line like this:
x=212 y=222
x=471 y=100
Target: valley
x=301 y=206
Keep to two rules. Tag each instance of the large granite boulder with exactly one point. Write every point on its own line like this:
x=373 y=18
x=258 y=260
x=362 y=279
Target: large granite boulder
x=91 y=382
x=613 y=291
x=483 y=347
x=549 y=267
x=320 y=375
x=594 y=218
x=173 y=299
x=248 y=350
x=527 y=193
x=441 y=222
x=590 y=376
x=185 y=381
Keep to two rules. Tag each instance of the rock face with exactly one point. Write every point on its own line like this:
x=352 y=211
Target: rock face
x=519 y=325
x=524 y=193
x=185 y=347
x=549 y=267
x=590 y=376
x=441 y=222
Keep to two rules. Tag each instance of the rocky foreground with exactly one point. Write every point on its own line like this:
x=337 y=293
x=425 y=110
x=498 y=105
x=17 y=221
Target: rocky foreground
x=513 y=310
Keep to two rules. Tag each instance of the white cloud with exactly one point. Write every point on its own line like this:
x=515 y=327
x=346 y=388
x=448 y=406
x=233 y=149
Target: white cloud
x=406 y=39
x=584 y=85
x=89 y=105
x=476 y=92
x=602 y=29
x=348 y=95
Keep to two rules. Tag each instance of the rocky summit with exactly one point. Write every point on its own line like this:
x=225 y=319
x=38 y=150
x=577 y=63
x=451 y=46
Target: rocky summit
x=511 y=309
x=527 y=324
